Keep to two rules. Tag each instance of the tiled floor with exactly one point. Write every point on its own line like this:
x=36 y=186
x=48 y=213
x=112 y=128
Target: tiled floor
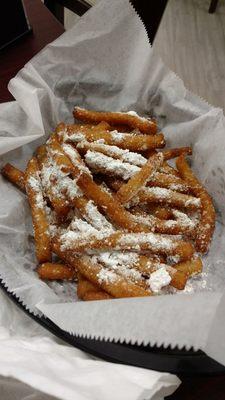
x=192 y=43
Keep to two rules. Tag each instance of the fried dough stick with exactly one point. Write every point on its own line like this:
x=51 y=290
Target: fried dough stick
x=176 y=152
x=128 y=190
x=56 y=271
x=41 y=154
x=130 y=270
x=169 y=227
x=59 y=203
x=128 y=241
x=167 y=169
x=112 y=151
x=40 y=222
x=160 y=212
x=162 y=196
x=87 y=291
x=122 y=140
x=147 y=266
x=206 y=225
x=115 y=285
x=190 y=267
x=110 y=206
x=170 y=197
x=90 y=213
x=129 y=156
x=69 y=159
x=168 y=181
x=105 y=161
x=14 y=175
x=133 y=121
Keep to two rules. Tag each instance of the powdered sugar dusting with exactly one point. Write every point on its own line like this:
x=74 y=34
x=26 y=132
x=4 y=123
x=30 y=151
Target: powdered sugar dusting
x=35 y=184
x=74 y=157
x=81 y=231
x=134 y=114
x=57 y=182
x=107 y=276
x=159 y=279
x=184 y=219
x=96 y=219
x=121 y=263
x=162 y=193
x=117 y=136
x=149 y=239
x=74 y=137
x=115 y=152
x=102 y=163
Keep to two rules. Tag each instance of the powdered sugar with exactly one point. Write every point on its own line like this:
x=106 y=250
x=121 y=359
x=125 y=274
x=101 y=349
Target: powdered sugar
x=71 y=152
x=184 y=219
x=193 y=201
x=167 y=194
x=82 y=231
x=102 y=163
x=147 y=220
x=35 y=184
x=134 y=114
x=118 y=258
x=155 y=241
x=75 y=158
x=159 y=279
x=117 y=136
x=121 y=263
x=107 y=276
x=115 y=152
x=57 y=182
x=152 y=222
x=51 y=215
x=74 y=137
x=82 y=227
x=96 y=219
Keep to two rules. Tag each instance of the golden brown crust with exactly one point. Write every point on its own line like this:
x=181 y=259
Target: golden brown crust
x=128 y=190
x=122 y=140
x=14 y=175
x=117 y=286
x=39 y=218
x=144 y=125
x=206 y=225
x=87 y=291
x=56 y=271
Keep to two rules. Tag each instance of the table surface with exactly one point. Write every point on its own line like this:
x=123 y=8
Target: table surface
x=45 y=29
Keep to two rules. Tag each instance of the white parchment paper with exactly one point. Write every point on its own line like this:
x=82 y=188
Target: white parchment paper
x=106 y=62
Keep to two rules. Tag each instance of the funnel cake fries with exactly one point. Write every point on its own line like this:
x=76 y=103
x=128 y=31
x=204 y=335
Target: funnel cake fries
x=126 y=166
x=131 y=141
x=88 y=291
x=131 y=118
x=162 y=196
x=56 y=271
x=120 y=221
x=207 y=220
x=40 y=223
x=128 y=190
x=127 y=241
x=14 y=175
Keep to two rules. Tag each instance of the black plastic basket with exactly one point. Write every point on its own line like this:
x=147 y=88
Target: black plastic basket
x=175 y=361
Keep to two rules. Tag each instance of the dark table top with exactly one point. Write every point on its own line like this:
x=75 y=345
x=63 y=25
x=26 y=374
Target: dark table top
x=45 y=29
